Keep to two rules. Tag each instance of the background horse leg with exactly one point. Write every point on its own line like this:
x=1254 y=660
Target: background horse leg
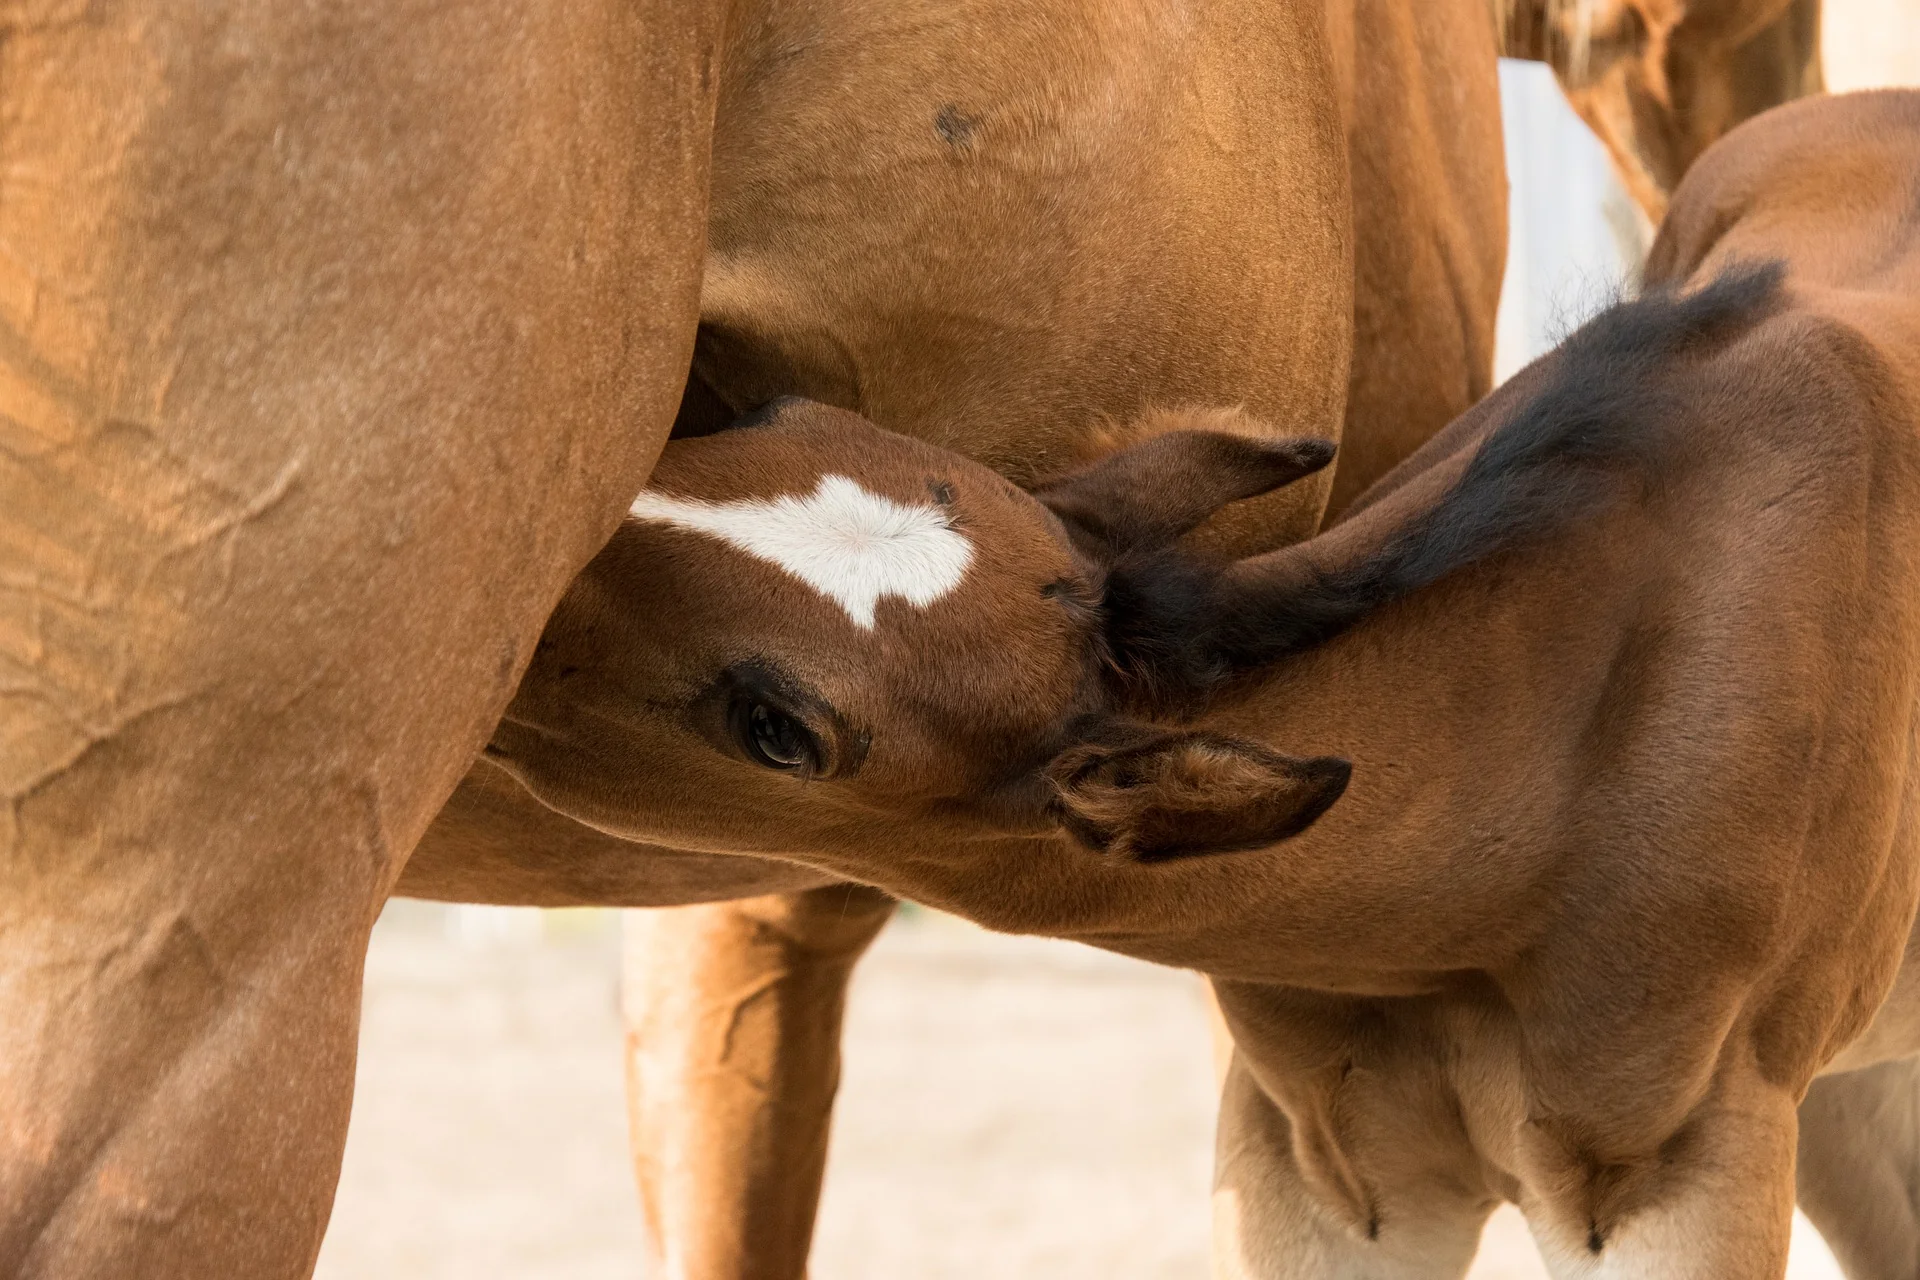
x=1661 y=83
x=733 y=1055
x=311 y=402
x=1859 y=1168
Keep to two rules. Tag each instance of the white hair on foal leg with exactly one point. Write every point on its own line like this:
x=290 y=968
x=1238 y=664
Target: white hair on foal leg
x=850 y=545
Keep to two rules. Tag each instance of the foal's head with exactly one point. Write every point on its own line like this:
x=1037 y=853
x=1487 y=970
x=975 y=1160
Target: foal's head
x=810 y=627
x=812 y=632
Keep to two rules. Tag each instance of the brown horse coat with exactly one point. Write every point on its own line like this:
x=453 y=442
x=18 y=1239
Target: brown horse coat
x=332 y=343
x=1425 y=186
x=1012 y=269
x=328 y=333
x=1609 y=849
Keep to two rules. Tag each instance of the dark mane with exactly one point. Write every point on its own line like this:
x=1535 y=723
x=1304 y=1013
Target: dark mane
x=1177 y=626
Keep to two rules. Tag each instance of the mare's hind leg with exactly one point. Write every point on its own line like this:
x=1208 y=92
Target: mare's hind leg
x=1859 y=1168
x=333 y=340
x=1269 y=1223
x=733 y=1055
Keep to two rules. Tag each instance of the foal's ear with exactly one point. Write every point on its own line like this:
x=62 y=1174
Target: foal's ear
x=1148 y=494
x=1175 y=795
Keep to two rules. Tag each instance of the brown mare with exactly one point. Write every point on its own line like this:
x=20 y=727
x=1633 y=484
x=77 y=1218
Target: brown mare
x=1547 y=828
x=338 y=339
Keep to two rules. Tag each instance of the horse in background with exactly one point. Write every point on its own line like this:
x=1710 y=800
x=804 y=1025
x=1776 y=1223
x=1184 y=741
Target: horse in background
x=1659 y=81
x=1028 y=311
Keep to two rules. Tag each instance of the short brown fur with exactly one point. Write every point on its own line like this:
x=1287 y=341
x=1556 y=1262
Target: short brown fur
x=1300 y=212
x=1628 y=857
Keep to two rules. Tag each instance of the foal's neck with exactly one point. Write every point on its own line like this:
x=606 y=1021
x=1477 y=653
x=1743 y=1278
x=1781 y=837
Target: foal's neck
x=1468 y=711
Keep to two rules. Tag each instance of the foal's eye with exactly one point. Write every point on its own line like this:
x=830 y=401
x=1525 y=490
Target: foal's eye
x=773 y=738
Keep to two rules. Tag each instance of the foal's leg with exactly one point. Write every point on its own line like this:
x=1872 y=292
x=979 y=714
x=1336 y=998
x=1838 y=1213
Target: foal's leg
x=1859 y=1169
x=733 y=1055
x=1720 y=1207
x=333 y=339
x=1269 y=1223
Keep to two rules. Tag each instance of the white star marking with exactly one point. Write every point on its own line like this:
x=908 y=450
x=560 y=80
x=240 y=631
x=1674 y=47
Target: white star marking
x=851 y=546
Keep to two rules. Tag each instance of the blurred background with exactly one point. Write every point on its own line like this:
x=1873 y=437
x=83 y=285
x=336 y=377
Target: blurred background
x=1011 y=1107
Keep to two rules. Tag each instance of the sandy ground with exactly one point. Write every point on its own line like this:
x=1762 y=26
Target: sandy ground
x=1011 y=1108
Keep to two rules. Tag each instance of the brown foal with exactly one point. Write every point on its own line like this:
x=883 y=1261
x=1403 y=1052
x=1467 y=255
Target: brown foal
x=1546 y=827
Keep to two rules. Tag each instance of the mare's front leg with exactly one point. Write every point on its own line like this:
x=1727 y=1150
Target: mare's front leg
x=733 y=1055
x=333 y=340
